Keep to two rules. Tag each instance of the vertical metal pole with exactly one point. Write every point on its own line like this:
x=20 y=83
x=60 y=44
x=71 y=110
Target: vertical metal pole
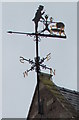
x=37 y=68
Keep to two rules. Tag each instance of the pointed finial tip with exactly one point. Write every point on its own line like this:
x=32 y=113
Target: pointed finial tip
x=9 y=32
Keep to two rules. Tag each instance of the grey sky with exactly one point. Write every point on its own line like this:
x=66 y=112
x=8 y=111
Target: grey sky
x=18 y=91
x=0 y=61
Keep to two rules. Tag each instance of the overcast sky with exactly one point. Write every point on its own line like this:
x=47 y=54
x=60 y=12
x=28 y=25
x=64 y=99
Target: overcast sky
x=17 y=90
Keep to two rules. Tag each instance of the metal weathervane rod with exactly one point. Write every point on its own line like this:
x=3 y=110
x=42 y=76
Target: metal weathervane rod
x=56 y=30
x=36 y=19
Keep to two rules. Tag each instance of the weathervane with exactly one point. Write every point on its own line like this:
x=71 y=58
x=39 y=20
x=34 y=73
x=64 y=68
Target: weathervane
x=33 y=63
x=55 y=29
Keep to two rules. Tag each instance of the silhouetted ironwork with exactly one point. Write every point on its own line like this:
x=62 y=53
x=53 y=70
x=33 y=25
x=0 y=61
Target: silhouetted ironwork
x=38 y=16
x=39 y=34
x=33 y=63
x=46 y=23
x=37 y=64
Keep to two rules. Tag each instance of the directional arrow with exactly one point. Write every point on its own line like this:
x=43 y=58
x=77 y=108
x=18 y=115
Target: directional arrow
x=42 y=35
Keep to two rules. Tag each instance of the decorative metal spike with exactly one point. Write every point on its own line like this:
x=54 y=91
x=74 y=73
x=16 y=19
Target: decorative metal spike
x=48 y=57
x=21 y=59
x=39 y=39
x=25 y=73
x=54 y=72
x=51 y=71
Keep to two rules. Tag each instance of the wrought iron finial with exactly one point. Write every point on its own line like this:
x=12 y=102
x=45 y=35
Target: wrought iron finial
x=55 y=30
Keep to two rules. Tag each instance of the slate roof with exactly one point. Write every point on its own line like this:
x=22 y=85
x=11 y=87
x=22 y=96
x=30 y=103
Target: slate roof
x=71 y=96
x=67 y=98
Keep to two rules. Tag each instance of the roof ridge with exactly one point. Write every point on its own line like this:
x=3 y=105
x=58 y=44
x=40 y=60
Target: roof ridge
x=68 y=90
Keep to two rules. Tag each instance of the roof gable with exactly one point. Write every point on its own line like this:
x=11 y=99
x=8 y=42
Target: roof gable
x=54 y=99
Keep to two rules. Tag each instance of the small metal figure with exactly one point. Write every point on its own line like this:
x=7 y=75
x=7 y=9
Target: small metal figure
x=46 y=24
x=51 y=19
x=38 y=16
x=58 y=27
